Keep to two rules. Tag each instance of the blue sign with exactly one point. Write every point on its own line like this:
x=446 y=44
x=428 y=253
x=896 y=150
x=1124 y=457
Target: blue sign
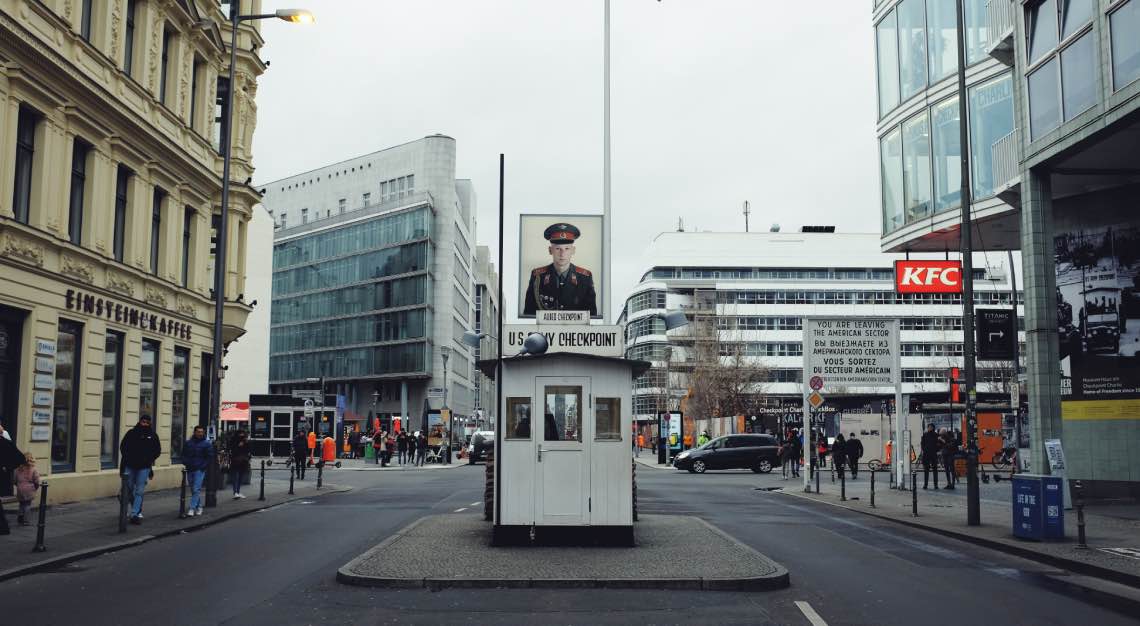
x=1054 y=507
x=1028 y=522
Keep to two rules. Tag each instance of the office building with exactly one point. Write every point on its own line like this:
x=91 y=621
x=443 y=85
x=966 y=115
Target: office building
x=486 y=322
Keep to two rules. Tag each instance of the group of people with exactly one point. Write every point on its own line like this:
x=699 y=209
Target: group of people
x=845 y=453
x=18 y=470
x=944 y=444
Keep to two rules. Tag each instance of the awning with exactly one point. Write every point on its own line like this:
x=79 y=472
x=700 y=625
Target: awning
x=235 y=412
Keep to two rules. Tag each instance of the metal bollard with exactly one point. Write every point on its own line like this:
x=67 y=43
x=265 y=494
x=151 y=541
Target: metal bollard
x=817 y=479
x=1079 y=503
x=320 y=474
x=913 y=493
x=291 y=475
x=261 y=490
x=872 y=490
x=833 y=473
x=124 y=495
x=182 y=497
x=842 y=486
x=40 y=547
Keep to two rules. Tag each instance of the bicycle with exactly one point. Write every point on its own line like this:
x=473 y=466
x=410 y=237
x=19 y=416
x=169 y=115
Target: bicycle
x=1004 y=458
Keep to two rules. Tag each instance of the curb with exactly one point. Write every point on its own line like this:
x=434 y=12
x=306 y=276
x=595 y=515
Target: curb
x=779 y=579
x=1078 y=567
x=87 y=553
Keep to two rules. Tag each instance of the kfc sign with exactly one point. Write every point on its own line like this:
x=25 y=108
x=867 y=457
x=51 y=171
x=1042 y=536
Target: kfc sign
x=928 y=276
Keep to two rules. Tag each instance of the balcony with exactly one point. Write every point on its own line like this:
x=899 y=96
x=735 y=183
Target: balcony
x=999 y=26
x=1007 y=168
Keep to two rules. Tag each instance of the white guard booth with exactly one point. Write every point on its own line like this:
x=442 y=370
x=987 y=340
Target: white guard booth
x=563 y=457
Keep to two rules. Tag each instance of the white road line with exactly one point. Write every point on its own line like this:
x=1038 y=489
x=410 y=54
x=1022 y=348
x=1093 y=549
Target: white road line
x=476 y=503
x=810 y=613
x=461 y=510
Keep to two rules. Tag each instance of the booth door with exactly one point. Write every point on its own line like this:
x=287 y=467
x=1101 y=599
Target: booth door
x=563 y=467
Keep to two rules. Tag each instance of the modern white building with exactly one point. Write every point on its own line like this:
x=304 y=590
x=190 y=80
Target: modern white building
x=248 y=356
x=486 y=322
x=373 y=281
x=751 y=291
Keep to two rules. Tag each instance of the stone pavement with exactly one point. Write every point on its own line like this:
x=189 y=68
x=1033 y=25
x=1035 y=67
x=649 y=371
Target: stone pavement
x=82 y=529
x=372 y=466
x=1107 y=527
x=672 y=552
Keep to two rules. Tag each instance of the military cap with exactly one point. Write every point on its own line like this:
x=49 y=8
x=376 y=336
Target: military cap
x=561 y=233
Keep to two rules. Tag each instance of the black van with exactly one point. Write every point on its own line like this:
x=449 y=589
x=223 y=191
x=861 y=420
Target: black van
x=759 y=453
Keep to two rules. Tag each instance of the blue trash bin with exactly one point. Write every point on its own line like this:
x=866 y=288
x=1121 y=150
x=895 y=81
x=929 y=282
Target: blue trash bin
x=1038 y=507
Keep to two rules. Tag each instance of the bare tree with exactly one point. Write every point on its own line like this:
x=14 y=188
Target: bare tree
x=724 y=381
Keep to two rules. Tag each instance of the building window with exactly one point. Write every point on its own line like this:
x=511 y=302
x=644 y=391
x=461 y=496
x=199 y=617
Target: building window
x=607 y=419
x=25 y=154
x=947 y=166
x=1062 y=57
x=912 y=46
x=284 y=224
x=164 y=65
x=991 y=119
x=1044 y=105
x=187 y=241
x=122 y=182
x=890 y=155
x=887 y=56
x=156 y=228
x=916 y=167
x=112 y=399
x=148 y=376
x=65 y=410
x=85 y=20
x=79 y=151
x=342 y=205
x=221 y=124
x=197 y=74
x=411 y=183
x=942 y=38
x=1125 y=27
x=129 y=38
x=977 y=31
x=518 y=418
x=304 y=216
x=179 y=401
x=366 y=198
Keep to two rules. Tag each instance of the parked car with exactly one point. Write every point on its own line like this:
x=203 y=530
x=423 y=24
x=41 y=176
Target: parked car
x=759 y=453
x=482 y=443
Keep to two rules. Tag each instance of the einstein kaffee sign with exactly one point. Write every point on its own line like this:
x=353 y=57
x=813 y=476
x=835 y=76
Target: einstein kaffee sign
x=851 y=351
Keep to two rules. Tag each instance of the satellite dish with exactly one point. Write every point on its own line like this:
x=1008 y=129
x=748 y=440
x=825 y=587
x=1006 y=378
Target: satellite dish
x=535 y=344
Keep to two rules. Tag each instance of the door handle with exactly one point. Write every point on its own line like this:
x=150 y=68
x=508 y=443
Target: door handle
x=540 y=454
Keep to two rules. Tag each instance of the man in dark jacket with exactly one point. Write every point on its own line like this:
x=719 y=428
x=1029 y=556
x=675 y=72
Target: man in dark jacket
x=854 y=453
x=839 y=454
x=10 y=459
x=300 y=453
x=353 y=443
x=402 y=447
x=139 y=450
x=949 y=450
x=196 y=455
x=930 y=446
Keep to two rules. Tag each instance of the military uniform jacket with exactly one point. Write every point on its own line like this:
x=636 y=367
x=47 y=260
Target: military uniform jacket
x=547 y=291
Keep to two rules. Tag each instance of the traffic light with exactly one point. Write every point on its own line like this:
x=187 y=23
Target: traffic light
x=954 y=397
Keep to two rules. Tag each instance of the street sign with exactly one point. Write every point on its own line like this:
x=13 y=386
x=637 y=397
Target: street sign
x=308 y=408
x=996 y=334
x=816 y=383
x=815 y=400
x=435 y=392
x=852 y=351
x=310 y=394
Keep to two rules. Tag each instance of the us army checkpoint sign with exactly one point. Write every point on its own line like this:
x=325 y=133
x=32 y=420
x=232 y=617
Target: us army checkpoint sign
x=852 y=351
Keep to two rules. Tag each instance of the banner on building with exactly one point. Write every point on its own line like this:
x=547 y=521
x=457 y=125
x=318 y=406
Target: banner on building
x=851 y=352
x=560 y=264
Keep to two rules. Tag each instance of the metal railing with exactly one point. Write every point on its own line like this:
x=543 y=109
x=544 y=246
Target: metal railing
x=1006 y=160
x=999 y=21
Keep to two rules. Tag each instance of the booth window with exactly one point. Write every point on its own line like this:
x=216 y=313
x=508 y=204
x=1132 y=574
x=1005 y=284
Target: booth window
x=607 y=419
x=562 y=417
x=518 y=418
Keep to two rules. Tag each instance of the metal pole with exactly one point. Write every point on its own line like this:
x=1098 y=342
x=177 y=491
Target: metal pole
x=124 y=494
x=261 y=491
x=1015 y=398
x=499 y=358
x=40 y=547
x=607 y=255
x=320 y=473
x=1079 y=502
x=842 y=484
x=816 y=481
x=292 y=473
x=914 y=493
x=973 y=494
x=182 y=497
x=872 y=489
x=220 y=261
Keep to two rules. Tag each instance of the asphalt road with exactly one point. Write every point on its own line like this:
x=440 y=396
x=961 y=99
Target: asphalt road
x=278 y=567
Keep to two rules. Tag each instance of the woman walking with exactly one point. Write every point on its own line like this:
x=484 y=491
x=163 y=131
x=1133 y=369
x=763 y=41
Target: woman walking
x=27 y=484
x=239 y=461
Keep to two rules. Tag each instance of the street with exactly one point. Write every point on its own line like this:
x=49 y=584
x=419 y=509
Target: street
x=278 y=567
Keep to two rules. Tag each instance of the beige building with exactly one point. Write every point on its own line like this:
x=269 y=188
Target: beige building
x=109 y=178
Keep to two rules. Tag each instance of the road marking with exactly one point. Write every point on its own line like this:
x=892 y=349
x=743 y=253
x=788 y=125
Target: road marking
x=476 y=503
x=810 y=613
x=461 y=510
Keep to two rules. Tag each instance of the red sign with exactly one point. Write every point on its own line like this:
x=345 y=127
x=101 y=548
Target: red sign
x=928 y=276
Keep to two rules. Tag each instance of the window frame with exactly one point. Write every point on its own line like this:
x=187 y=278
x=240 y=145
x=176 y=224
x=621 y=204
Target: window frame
x=75 y=328
x=513 y=402
x=122 y=209
x=146 y=345
x=77 y=193
x=187 y=242
x=1117 y=5
x=129 y=37
x=178 y=423
x=27 y=126
x=156 y=211
x=117 y=398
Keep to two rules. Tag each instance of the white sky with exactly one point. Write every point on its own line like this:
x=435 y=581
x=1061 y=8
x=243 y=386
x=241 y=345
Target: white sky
x=714 y=102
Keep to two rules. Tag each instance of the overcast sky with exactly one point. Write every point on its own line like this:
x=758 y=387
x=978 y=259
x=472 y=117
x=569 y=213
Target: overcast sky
x=714 y=102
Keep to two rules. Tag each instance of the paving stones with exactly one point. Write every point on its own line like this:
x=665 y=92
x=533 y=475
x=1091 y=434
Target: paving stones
x=672 y=552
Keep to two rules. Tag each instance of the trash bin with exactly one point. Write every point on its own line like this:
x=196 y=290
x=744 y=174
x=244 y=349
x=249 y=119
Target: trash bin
x=369 y=452
x=1038 y=507
x=960 y=464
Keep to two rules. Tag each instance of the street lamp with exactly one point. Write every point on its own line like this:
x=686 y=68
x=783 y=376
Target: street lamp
x=673 y=320
x=445 y=353
x=299 y=16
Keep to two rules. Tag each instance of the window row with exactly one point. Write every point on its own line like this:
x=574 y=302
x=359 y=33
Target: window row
x=384 y=231
x=916 y=45
x=936 y=375
x=374 y=361
x=362 y=267
x=397 y=188
x=646 y=300
x=857 y=297
x=644 y=326
x=920 y=160
x=647 y=352
x=352 y=300
x=376 y=328
x=745 y=273
x=1062 y=54
x=563 y=416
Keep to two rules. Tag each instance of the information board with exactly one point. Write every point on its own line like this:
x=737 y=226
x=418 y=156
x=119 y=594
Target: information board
x=851 y=351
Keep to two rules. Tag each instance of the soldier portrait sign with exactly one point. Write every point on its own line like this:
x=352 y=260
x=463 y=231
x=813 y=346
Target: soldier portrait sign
x=560 y=260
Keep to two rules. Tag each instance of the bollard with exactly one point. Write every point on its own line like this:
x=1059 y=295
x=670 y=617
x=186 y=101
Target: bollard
x=261 y=490
x=291 y=474
x=842 y=486
x=913 y=493
x=872 y=490
x=320 y=474
x=816 y=480
x=1079 y=503
x=124 y=495
x=182 y=497
x=40 y=547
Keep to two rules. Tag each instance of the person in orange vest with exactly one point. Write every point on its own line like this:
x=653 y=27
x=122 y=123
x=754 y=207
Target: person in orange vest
x=312 y=445
x=328 y=450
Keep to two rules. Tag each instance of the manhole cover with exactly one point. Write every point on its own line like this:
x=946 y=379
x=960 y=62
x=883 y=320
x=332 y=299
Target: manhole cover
x=1132 y=553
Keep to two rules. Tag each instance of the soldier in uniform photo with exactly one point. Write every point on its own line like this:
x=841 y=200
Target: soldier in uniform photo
x=561 y=286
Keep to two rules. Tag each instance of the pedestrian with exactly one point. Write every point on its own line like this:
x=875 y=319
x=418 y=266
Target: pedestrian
x=239 y=461
x=402 y=447
x=300 y=446
x=839 y=454
x=854 y=453
x=10 y=459
x=312 y=443
x=353 y=443
x=196 y=455
x=949 y=449
x=389 y=448
x=377 y=447
x=797 y=452
x=138 y=450
x=821 y=449
x=27 y=485
x=929 y=445
x=421 y=448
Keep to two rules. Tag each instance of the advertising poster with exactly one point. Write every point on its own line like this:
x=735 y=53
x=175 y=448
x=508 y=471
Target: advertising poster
x=1098 y=320
x=560 y=264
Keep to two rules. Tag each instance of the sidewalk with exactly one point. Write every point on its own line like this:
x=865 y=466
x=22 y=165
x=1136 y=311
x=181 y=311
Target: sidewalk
x=369 y=465
x=84 y=529
x=1106 y=527
x=648 y=458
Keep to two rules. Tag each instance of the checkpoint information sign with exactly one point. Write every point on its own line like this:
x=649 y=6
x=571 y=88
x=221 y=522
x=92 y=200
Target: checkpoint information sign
x=852 y=351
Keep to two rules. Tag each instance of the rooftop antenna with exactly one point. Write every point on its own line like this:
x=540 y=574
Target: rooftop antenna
x=746 y=214
x=680 y=224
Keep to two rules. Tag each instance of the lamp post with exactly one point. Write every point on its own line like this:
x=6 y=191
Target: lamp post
x=472 y=339
x=445 y=353
x=299 y=16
